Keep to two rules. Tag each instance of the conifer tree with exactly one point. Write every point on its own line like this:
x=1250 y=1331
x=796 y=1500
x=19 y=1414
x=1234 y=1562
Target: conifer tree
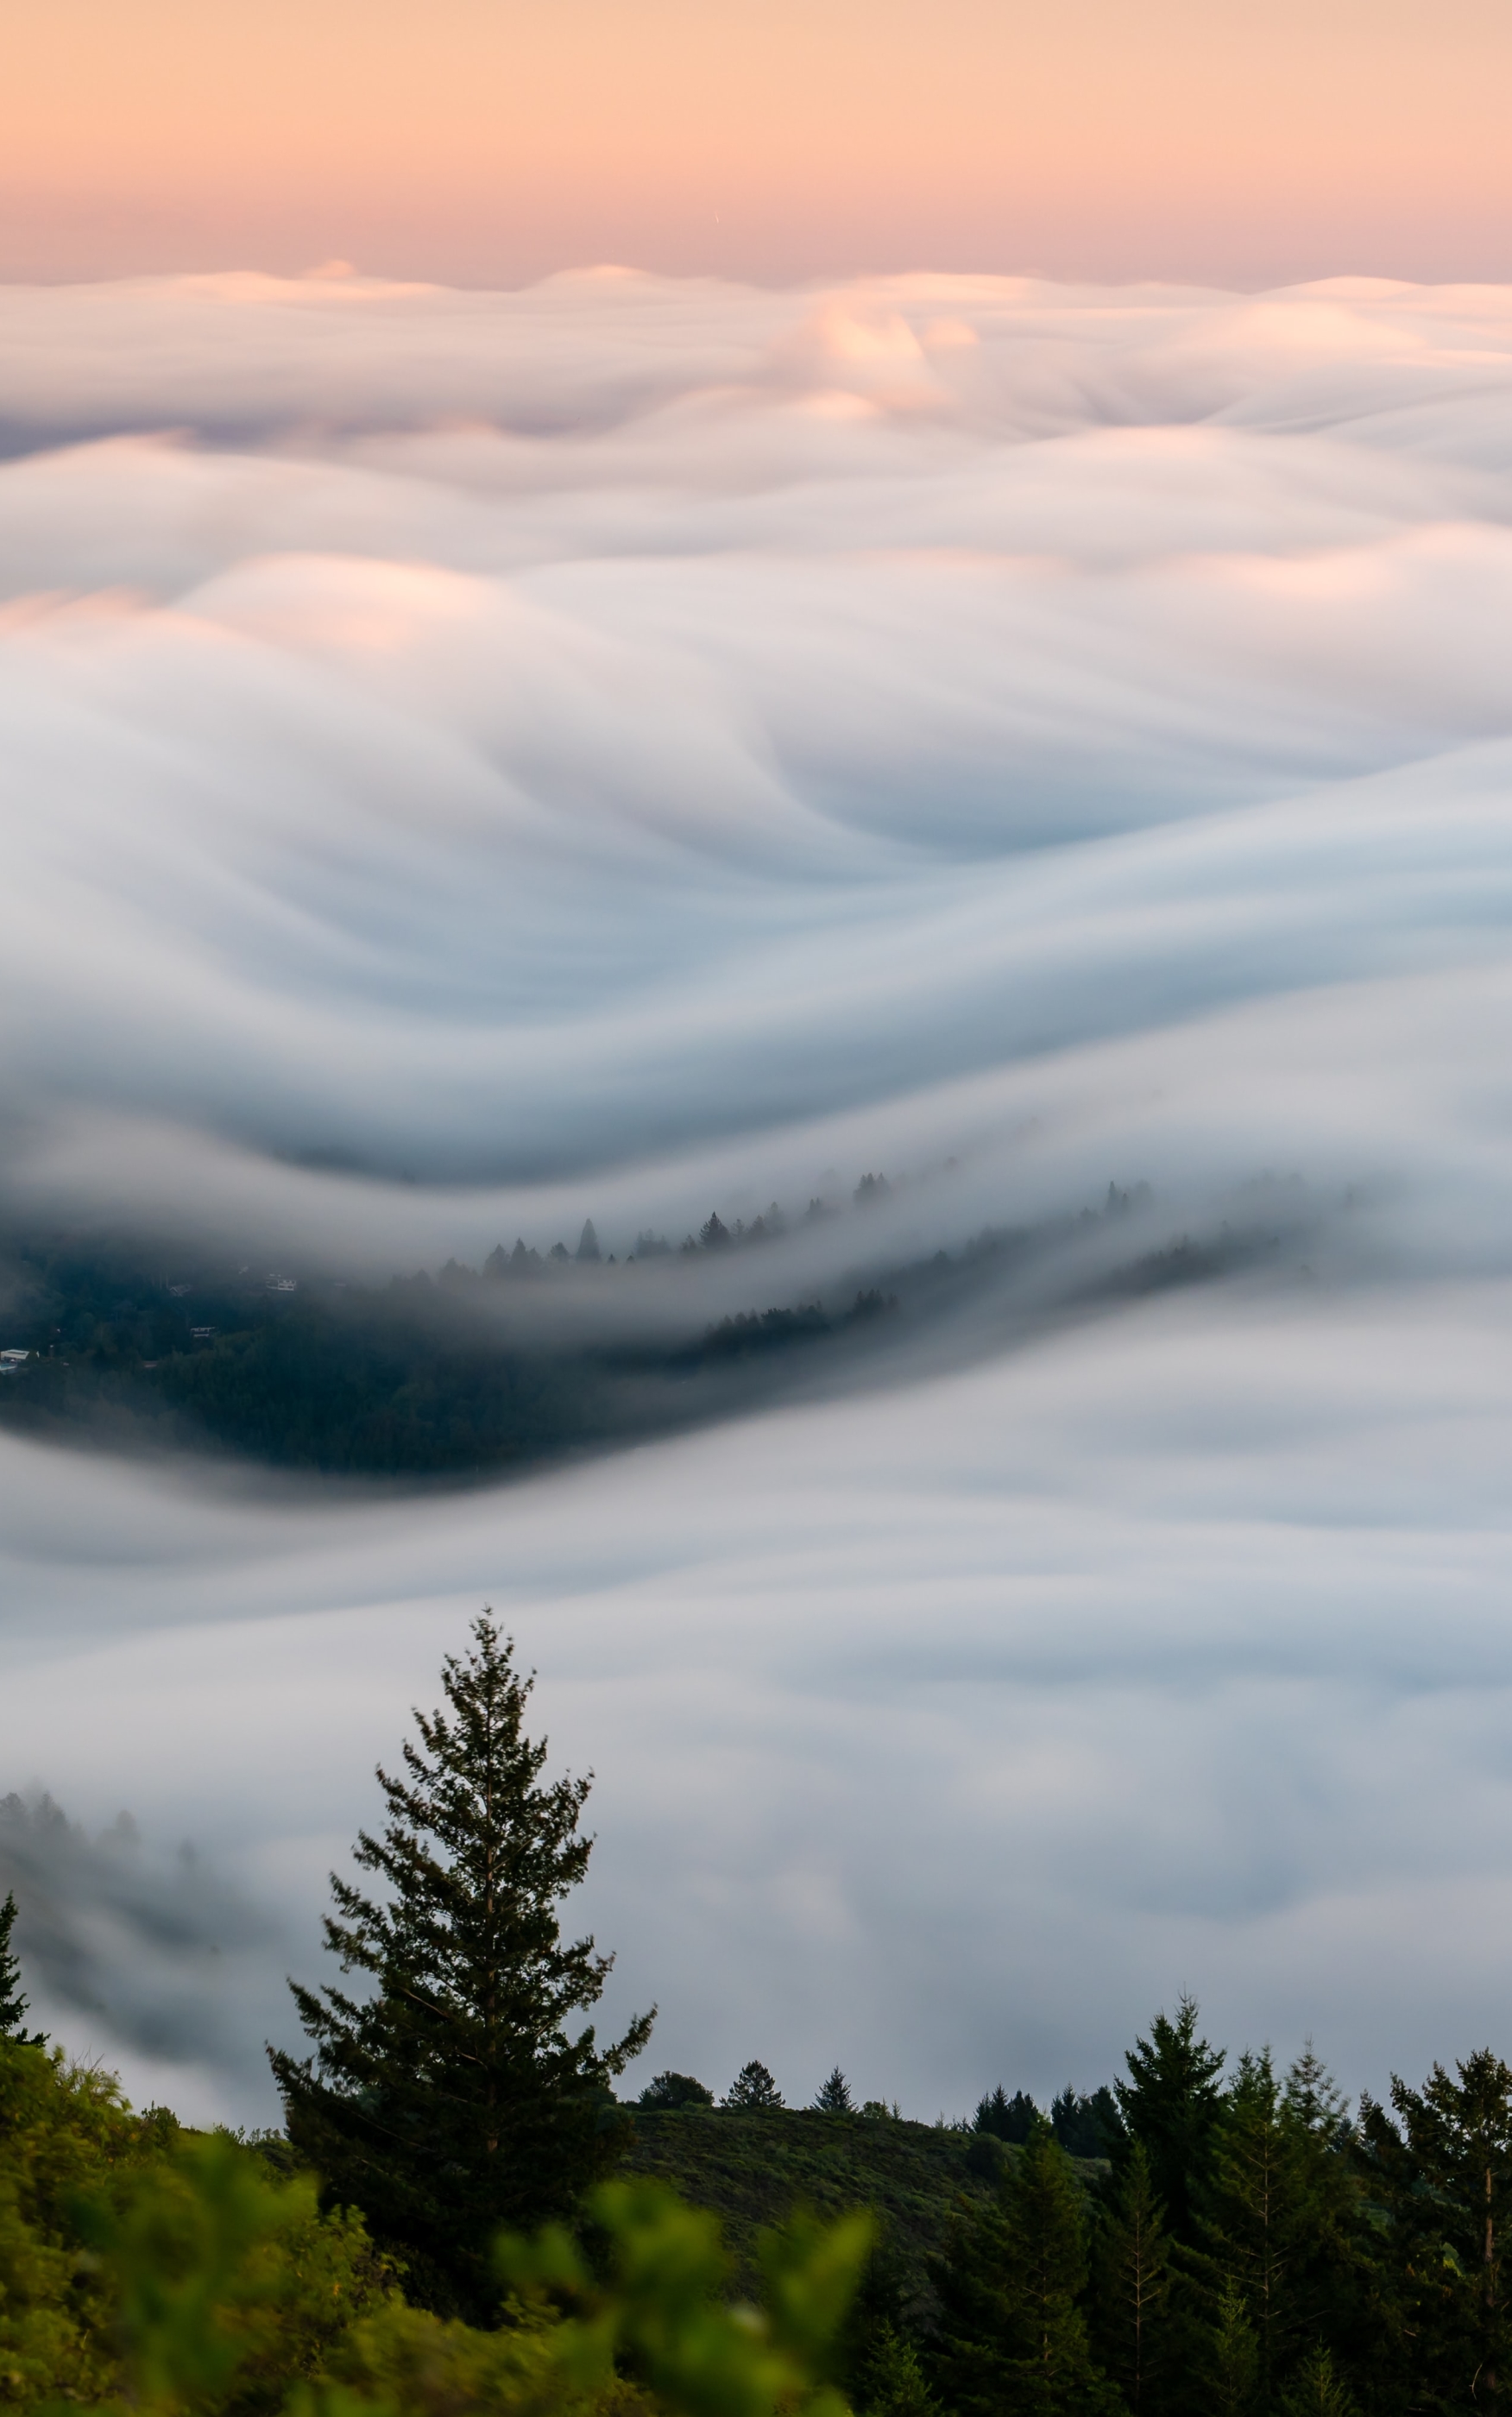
x=1257 y=2221
x=1282 y=2215
x=1172 y=2101
x=1005 y=2117
x=1234 y=2361
x=1442 y=2173
x=1317 y=2391
x=1012 y=2333
x=753 y=2091
x=1134 y=2280
x=893 y=2382
x=13 y=2006
x=452 y=2100
x=834 y=2096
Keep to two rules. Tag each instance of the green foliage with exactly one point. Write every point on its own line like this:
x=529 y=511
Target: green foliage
x=1086 y=2127
x=752 y=2170
x=1133 y=2286
x=1317 y=2391
x=12 y=2005
x=172 y=2276
x=230 y=2287
x=893 y=2382
x=1282 y=2218
x=660 y=2315
x=1259 y=2201
x=1234 y=2360
x=667 y=2090
x=1441 y=2174
x=1002 y=2117
x=453 y=2099
x=1013 y=2329
x=64 y=2131
x=1172 y=2104
x=753 y=2091
x=833 y=2096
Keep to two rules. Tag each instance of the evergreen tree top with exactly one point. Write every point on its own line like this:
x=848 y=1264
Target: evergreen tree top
x=834 y=2096
x=753 y=2090
x=1172 y=2102
x=453 y=2096
x=13 y=2006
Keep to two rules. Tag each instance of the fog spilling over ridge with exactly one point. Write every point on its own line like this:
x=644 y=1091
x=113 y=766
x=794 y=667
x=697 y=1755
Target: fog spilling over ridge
x=594 y=745
x=628 y=751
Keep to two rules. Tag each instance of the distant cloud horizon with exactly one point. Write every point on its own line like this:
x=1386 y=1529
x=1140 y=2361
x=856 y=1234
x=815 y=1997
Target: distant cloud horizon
x=492 y=143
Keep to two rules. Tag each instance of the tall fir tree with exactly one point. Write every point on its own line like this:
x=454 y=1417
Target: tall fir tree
x=1234 y=2360
x=1256 y=2219
x=879 y=2369
x=452 y=2100
x=1171 y=2106
x=1133 y=2278
x=1442 y=2175
x=13 y=2006
x=1172 y=2102
x=1013 y=2330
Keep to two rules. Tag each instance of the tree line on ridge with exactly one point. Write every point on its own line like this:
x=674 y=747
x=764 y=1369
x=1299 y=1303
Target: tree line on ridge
x=1204 y=2238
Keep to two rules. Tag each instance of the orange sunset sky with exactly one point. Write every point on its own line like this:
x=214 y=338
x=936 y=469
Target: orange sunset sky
x=489 y=141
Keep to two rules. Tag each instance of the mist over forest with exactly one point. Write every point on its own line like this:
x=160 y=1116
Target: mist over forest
x=621 y=755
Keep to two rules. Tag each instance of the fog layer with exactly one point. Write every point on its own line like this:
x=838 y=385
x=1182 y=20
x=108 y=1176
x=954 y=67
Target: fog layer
x=477 y=762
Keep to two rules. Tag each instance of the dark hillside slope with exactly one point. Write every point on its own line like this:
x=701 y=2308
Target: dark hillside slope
x=751 y=2170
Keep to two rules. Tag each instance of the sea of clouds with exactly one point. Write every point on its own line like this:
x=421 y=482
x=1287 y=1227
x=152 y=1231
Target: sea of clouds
x=474 y=761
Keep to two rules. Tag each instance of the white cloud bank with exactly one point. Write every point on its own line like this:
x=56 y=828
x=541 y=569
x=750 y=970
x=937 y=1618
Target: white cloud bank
x=474 y=761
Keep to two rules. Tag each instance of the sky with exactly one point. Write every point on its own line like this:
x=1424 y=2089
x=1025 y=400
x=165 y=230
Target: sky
x=489 y=142
x=475 y=760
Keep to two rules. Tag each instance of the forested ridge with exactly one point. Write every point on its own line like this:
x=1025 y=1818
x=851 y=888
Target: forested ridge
x=462 y=2212
x=462 y=1373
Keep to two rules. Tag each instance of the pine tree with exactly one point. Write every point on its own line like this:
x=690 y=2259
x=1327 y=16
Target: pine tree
x=1235 y=2359
x=13 y=2006
x=834 y=2096
x=1281 y=2220
x=452 y=2101
x=1005 y=2117
x=1172 y=2101
x=1012 y=2332
x=1257 y=2215
x=893 y=2382
x=1317 y=2391
x=1442 y=2174
x=1134 y=2280
x=753 y=2091
x=1085 y=2127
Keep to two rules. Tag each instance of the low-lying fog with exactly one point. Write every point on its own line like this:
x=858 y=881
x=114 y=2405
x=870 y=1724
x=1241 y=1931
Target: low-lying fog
x=474 y=763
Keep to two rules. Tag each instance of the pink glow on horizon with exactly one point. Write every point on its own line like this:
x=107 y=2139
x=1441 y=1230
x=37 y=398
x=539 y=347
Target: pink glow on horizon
x=490 y=141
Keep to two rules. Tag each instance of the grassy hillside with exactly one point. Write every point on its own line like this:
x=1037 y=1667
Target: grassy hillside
x=752 y=2170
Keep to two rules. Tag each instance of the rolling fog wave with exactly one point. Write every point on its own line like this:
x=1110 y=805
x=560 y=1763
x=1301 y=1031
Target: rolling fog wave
x=585 y=748
x=477 y=762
